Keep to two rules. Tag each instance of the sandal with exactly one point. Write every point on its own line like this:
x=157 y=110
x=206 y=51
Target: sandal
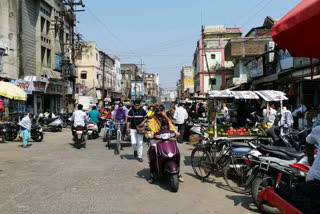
x=151 y=180
x=181 y=179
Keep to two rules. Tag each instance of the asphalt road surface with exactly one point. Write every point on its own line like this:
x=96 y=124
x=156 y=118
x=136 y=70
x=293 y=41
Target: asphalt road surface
x=54 y=177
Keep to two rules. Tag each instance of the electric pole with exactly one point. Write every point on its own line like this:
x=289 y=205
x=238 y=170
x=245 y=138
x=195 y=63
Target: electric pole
x=68 y=10
x=103 y=76
x=205 y=55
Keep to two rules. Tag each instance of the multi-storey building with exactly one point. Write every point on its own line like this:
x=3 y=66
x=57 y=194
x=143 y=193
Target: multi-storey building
x=128 y=73
x=211 y=70
x=187 y=82
x=151 y=85
x=31 y=35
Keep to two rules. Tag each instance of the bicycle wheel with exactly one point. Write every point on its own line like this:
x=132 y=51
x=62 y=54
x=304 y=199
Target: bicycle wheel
x=201 y=162
x=117 y=150
x=235 y=175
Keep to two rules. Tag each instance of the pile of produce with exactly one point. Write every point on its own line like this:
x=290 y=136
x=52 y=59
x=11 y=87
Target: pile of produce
x=232 y=131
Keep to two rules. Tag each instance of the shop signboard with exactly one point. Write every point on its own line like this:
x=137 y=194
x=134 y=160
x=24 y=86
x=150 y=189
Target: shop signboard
x=255 y=68
x=53 y=88
x=286 y=60
x=58 y=62
x=24 y=85
x=116 y=95
x=39 y=86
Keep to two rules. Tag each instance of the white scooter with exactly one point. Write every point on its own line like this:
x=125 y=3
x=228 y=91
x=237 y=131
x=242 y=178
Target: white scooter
x=93 y=130
x=50 y=121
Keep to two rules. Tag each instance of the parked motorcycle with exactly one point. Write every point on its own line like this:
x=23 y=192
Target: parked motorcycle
x=79 y=137
x=270 y=172
x=36 y=132
x=52 y=122
x=167 y=158
x=65 y=119
x=12 y=128
x=93 y=130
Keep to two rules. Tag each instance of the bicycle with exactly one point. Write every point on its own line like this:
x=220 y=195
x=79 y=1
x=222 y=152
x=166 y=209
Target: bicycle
x=119 y=137
x=217 y=157
x=109 y=133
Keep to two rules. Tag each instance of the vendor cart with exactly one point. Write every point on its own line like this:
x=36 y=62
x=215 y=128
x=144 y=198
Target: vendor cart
x=217 y=98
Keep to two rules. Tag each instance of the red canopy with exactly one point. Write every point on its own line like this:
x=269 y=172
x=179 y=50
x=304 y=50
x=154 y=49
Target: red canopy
x=299 y=30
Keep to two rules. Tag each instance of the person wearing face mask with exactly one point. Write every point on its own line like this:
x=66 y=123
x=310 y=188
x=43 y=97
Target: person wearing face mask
x=120 y=115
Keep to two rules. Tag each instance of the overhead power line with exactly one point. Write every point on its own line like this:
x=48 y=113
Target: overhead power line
x=111 y=33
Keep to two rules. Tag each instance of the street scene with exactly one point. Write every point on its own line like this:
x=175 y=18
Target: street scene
x=159 y=107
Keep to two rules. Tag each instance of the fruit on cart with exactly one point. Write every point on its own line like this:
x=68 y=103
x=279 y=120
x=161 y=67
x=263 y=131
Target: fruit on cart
x=240 y=131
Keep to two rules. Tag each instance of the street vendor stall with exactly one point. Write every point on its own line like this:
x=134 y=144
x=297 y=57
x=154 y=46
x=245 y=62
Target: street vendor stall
x=13 y=100
x=217 y=98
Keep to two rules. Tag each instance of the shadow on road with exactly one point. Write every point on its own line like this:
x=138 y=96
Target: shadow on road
x=74 y=145
x=187 y=160
x=161 y=182
x=245 y=201
x=128 y=157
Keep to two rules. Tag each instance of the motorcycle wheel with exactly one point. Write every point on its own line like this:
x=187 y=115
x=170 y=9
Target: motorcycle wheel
x=59 y=129
x=174 y=182
x=38 y=137
x=109 y=141
x=198 y=156
x=258 y=185
x=11 y=138
x=236 y=178
x=77 y=143
x=64 y=124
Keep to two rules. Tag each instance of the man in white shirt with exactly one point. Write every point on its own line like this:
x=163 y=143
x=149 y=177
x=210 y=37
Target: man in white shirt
x=180 y=116
x=79 y=118
x=269 y=115
x=313 y=140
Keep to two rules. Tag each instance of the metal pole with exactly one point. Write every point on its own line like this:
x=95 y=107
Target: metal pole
x=103 y=77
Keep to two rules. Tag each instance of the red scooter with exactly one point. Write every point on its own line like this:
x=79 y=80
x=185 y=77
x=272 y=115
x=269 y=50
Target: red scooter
x=165 y=158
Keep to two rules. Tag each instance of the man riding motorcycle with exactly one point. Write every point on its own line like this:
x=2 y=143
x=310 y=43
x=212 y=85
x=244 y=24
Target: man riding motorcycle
x=79 y=118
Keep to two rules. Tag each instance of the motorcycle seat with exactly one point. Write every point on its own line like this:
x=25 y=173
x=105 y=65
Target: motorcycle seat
x=291 y=152
x=50 y=120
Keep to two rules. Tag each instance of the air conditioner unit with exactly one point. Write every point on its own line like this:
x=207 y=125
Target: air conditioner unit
x=270 y=47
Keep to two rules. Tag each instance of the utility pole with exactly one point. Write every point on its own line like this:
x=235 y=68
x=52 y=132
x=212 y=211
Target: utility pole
x=68 y=9
x=135 y=80
x=205 y=55
x=103 y=76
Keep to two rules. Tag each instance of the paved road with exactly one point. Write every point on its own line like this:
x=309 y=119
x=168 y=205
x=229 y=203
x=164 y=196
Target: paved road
x=54 y=177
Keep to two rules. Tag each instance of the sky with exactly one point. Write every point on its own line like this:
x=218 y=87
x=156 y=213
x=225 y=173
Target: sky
x=162 y=35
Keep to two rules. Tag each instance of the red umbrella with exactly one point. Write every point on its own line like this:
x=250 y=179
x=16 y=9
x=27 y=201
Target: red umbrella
x=299 y=30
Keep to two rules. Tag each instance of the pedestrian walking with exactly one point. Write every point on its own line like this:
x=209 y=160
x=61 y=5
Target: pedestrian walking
x=137 y=117
x=180 y=116
x=25 y=131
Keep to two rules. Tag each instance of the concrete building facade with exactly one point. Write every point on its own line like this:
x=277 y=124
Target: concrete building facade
x=187 y=82
x=128 y=72
x=29 y=34
x=151 y=85
x=211 y=70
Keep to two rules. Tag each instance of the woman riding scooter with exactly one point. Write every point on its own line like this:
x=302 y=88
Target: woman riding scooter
x=158 y=123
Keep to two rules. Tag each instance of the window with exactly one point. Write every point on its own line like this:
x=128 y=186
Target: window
x=67 y=37
x=43 y=54
x=49 y=57
x=213 y=81
x=213 y=56
x=48 y=27
x=83 y=75
x=97 y=57
x=43 y=21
